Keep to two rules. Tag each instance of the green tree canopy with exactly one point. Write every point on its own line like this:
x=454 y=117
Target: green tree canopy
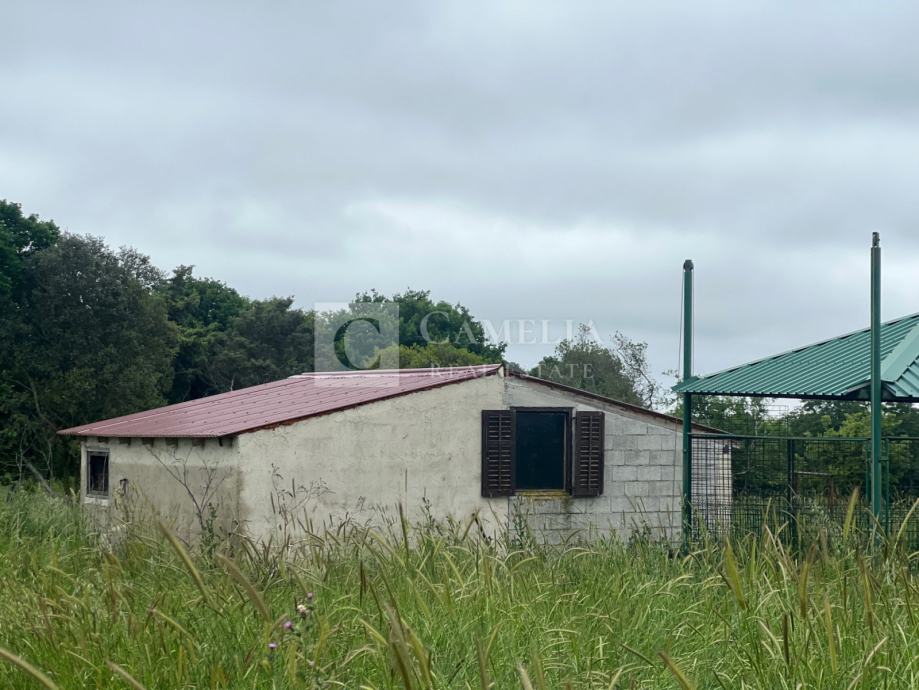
x=203 y=311
x=268 y=340
x=20 y=236
x=432 y=355
x=90 y=342
x=618 y=371
x=422 y=322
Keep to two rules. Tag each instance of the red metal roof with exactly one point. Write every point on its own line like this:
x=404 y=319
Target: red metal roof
x=279 y=402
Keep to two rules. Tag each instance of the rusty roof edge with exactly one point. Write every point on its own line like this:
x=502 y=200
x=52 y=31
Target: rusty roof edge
x=82 y=430
x=487 y=371
x=185 y=404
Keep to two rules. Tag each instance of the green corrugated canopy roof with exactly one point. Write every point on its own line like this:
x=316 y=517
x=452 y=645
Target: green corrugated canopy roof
x=832 y=369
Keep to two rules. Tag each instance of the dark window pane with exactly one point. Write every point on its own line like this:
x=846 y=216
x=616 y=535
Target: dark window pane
x=97 y=481
x=541 y=442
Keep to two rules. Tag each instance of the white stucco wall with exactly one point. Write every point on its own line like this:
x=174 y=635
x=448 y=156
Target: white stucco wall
x=157 y=473
x=422 y=449
x=360 y=463
x=352 y=464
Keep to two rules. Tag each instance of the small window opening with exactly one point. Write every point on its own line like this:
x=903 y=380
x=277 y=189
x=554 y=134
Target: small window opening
x=541 y=449
x=97 y=473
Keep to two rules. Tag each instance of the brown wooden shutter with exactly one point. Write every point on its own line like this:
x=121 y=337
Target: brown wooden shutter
x=497 y=453
x=587 y=470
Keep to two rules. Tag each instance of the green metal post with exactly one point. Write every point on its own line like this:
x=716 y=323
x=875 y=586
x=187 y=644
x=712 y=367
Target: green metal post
x=687 y=401
x=876 y=483
x=792 y=492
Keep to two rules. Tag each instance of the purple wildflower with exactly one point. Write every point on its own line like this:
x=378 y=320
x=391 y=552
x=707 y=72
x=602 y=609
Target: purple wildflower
x=288 y=625
x=272 y=646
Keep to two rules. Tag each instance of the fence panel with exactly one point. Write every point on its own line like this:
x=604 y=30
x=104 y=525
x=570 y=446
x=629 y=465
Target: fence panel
x=901 y=489
x=798 y=486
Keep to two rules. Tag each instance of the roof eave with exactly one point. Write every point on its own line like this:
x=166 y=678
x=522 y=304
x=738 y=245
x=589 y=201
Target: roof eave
x=611 y=401
x=88 y=430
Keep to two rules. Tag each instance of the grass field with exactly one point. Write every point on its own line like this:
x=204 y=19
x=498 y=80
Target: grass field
x=438 y=607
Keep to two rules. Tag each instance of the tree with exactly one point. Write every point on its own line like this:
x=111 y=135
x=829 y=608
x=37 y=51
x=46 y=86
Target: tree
x=733 y=415
x=20 y=237
x=619 y=371
x=432 y=355
x=422 y=321
x=266 y=341
x=203 y=311
x=90 y=342
x=821 y=417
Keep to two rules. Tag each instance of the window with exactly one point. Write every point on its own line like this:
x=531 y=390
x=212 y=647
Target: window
x=540 y=449
x=97 y=473
x=526 y=449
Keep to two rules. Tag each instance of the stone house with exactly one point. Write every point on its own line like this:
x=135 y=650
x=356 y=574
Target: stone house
x=313 y=450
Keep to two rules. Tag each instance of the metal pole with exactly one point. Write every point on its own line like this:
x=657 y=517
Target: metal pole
x=876 y=495
x=687 y=401
x=792 y=492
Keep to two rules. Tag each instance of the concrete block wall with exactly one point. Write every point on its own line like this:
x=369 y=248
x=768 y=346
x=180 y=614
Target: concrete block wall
x=642 y=475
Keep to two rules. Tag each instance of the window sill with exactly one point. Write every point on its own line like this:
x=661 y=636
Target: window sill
x=543 y=493
x=96 y=500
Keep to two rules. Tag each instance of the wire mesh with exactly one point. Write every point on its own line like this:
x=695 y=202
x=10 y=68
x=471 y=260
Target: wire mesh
x=799 y=487
x=901 y=489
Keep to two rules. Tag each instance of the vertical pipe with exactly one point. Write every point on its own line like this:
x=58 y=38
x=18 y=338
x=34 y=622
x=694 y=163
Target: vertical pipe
x=687 y=401
x=876 y=495
x=792 y=491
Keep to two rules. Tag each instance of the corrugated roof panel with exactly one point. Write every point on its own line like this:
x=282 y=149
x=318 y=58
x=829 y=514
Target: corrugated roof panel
x=279 y=402
x=836 y=368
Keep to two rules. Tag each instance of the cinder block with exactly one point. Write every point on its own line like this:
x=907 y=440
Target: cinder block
x=627 y=443
x=613 y=425
x=636 y=489
x=662 y=457
x=650 y=506
x=593 y=506
x=668 y=442
x=617 y=442
x=625 y=473
x=614 y=521
x=648 y=474
x=641 y=457
x=661 y=488
x=670 y=505
x=614 y=488
x=654 y=441
x=620 y=504
x=640 y=442
x=616 y=457
x=670 y=472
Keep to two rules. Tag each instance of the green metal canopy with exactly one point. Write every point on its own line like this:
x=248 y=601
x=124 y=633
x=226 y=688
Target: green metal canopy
x=832 y=369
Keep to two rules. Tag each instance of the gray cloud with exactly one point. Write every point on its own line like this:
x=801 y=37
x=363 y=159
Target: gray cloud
x=532 y=160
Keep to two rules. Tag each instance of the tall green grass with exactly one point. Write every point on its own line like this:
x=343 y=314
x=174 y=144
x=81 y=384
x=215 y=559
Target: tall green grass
x=439 y=606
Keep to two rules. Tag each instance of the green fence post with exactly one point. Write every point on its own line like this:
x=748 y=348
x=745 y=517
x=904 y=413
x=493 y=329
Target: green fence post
x=687 y=403
x=792 y=497
x=876 y=480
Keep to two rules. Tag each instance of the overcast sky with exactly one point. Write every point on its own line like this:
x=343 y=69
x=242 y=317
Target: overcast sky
x=531 y=160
